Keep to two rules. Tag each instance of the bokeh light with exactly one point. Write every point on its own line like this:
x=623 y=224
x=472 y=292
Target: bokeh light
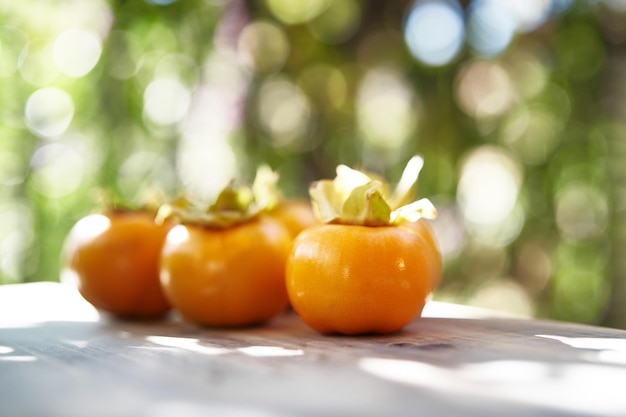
x=488 y=196
x=484 y=89
x=166 y=101
x=58 y=170
x=285 y=114
x=491 y=27
x=49 y=111
x=263 y=47
x=194 y=155
x=516 y=106
x=215 y=114
x=533 y=132
x=531 y=13
x=387 y=110
x=489 y=185
x=76 y=52
x=338 y=22
x=291 y=12
x=217 y=105
x=434 y=31
x=581 y=211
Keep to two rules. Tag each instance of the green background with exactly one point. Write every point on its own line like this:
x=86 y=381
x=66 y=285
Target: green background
x=523 y=136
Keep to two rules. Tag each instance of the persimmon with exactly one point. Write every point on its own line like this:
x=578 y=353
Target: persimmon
x=232 y=276
x=354 y=279
x=422 y=228
x=296 y=215
x=403 y=194
x=224 y=265
x=369 y=268
x=113 y=258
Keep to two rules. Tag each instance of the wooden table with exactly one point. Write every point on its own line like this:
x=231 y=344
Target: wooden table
x=58 y=357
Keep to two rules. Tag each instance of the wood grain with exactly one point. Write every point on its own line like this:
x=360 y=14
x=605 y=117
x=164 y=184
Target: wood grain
x=59 y=358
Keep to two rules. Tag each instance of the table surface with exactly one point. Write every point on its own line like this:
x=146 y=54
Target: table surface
x=59 y=357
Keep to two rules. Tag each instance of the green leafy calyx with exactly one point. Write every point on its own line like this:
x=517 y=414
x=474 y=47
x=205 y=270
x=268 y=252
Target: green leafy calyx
x=355 y=197
x=234 y=205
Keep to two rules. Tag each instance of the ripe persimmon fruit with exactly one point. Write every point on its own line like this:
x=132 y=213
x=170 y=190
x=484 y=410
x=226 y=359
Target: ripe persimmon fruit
x=226 y=277
x=224 y=265
x=296 y=215
x=371 y=267
x=114 y=260
x=422 y=228
x=352 y=279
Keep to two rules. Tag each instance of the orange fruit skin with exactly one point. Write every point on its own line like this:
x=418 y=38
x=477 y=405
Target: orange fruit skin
x=296 y=215
x=114 y=260
x=423 y=229
x=356 y=280
x=227 y=277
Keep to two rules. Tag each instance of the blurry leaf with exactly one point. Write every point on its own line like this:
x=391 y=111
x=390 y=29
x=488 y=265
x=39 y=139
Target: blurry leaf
x=326 y=203
x=354 y=197
x=264 y=188
x=405 y=190
x=366 y=206
x=235 y=204
x=414 y=211
x=233 y=198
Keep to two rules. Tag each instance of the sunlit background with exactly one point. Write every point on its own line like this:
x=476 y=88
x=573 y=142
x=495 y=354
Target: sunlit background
x=518 y=107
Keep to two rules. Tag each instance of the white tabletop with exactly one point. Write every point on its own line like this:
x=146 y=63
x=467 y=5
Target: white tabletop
x=59 y=357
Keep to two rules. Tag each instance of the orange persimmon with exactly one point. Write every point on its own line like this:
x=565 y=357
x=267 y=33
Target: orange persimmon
x=224 y=265
x=372 y=266
x=113 y=258
x=296 y=215
x=422 y=228
x=232 y=276
x=352 y=279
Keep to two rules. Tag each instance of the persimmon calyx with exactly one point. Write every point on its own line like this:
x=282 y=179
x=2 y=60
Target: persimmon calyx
x=405 y=189
x=354 y=197
x=265 y=188
x=234 y=205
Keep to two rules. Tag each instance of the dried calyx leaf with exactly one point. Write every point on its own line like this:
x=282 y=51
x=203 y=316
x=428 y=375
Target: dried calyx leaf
x=234 y=205
x=355 y=197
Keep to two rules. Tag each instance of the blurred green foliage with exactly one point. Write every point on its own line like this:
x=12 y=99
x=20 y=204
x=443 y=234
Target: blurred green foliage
x=516 y=106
